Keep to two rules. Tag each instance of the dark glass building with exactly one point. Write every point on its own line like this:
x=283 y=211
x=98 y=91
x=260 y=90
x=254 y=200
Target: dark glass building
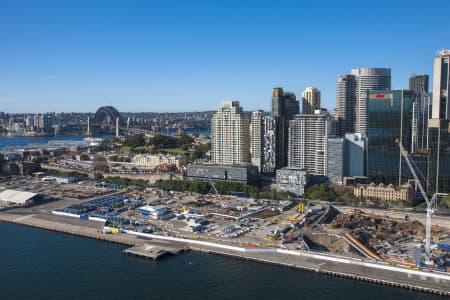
x=439 y=154
x=418 y=83
x=390 y=117
x=284 y=107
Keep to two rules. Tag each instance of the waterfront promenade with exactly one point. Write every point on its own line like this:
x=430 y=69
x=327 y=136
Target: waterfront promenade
x=437 y=283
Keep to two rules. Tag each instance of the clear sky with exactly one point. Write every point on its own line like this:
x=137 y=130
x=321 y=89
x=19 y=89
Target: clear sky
x=190 y=55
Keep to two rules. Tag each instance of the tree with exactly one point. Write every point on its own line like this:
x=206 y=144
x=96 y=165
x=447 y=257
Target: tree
x=163 y=141
x=321 y=192
x=185 y=140
x=200 y=151
x=135 y=141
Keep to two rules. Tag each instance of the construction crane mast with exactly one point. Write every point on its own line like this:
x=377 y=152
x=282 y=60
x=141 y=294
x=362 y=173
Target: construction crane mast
x=431 y=204
x=214 y=187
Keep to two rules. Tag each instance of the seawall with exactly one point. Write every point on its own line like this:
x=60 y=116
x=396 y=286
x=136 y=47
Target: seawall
x=339 y=266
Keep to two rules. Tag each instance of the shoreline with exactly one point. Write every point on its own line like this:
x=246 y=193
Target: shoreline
x=312 y=262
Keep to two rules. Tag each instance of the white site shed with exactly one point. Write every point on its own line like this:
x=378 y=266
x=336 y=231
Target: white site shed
x=17 y=197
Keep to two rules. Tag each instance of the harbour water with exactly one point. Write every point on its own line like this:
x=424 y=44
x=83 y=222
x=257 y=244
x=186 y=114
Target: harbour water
x=38 y=264
x=26 y=140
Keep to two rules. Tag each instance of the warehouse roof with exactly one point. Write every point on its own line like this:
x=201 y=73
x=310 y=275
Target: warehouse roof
x=14 y=196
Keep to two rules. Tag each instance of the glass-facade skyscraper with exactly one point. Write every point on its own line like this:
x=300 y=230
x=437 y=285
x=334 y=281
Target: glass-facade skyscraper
x=390 y=117
x=439 y=155
x=284 y=107
x=346 y=103
x=418 y=83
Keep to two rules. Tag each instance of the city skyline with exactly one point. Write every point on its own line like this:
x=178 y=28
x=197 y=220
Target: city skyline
x=157 y=57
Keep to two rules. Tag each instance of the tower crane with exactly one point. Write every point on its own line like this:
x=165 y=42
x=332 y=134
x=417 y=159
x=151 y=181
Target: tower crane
x=431 y=204
x=214 y=187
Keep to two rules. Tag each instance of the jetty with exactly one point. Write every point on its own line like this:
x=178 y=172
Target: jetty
x=156 y=251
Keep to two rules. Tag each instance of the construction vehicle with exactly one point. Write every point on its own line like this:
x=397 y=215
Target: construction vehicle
x=301 y=208
x=431 y=204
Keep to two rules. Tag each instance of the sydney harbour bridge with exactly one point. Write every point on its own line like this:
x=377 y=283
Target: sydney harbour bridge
x=108 y=120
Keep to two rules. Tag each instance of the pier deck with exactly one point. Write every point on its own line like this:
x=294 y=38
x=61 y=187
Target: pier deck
x=155 y=251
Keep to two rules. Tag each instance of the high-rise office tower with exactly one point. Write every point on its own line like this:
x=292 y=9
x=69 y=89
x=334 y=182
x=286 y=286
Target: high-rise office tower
x=230 y=140
x=284 y=107
x=291 y=105
x=418 y=83
x=310 y=100
x=346 y=103
x=421 y=115
x=308 y=136
x=439 y=155
x=257 y=138
x=355 y=148
x=390 y=118
x=441 y=83
x=335 y=159
x=439 y=125
x=368 y=79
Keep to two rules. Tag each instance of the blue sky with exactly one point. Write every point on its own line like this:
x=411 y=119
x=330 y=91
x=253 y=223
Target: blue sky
x=169 y=56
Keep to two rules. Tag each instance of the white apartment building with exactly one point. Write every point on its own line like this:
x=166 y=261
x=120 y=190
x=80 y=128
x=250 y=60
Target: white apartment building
x=230 y=136
x=308 y=136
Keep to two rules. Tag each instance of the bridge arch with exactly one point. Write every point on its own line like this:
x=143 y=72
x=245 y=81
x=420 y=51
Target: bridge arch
x=107 y=115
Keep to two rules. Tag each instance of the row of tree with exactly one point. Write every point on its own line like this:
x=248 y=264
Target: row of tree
x=159 y=141
x=77 y=175
x=121 y=180
x=223 y=187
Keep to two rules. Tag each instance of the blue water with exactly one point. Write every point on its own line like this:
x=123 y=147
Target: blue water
x=38 y=264
x=190 y=131
x=25 y=140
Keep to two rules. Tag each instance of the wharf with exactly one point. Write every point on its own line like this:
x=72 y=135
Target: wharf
x=363 y=270
x=155 y=251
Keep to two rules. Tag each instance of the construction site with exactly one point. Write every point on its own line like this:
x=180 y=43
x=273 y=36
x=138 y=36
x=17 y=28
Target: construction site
x=309 y=226
x=289 y=232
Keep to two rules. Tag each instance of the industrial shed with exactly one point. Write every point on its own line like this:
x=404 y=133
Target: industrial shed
x=17 y=197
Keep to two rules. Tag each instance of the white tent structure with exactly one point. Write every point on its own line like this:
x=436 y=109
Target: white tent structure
x=17 y=197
